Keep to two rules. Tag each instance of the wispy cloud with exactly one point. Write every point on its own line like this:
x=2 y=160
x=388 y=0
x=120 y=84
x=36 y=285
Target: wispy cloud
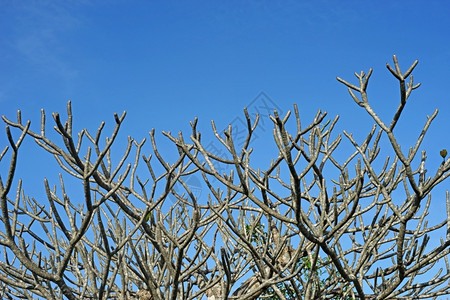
x=39 y=35
x=35 y=42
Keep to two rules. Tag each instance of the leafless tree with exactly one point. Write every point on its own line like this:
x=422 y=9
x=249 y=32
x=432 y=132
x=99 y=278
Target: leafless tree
x=310 y=226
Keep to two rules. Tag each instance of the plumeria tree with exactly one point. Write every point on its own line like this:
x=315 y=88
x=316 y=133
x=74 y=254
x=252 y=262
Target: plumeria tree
x=312 y=225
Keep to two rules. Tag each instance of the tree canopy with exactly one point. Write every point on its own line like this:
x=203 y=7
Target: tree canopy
x=312 y=225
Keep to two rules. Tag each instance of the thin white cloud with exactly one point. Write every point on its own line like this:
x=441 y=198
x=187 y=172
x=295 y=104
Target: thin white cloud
x=34 y=41
x=38 y=34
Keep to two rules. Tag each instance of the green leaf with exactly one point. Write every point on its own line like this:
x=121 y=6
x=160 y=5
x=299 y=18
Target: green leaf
x=147 y=217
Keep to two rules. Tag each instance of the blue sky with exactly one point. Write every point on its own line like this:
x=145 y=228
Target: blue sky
x=166 y=63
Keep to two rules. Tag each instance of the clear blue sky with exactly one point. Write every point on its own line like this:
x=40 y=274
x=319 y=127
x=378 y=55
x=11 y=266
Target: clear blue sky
x=168 y=62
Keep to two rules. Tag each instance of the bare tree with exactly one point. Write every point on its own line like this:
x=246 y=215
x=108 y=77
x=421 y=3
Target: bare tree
x=310 y=226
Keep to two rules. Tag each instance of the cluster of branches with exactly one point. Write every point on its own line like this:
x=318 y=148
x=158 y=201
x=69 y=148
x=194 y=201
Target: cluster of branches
x=308 y=227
